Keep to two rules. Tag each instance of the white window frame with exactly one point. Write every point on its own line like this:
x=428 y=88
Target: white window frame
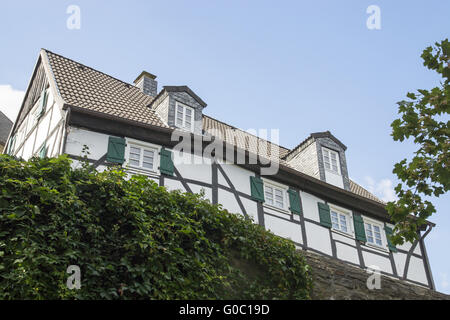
x=348 y=219
x=284 y=189
x=384 y=244
x=185 y=107
x=338 y=161
x=143 y=146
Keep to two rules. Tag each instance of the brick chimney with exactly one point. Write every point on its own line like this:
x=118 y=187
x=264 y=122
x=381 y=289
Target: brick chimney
x=147 y=83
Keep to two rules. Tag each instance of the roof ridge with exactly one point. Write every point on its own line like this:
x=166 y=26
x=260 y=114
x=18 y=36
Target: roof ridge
x=108 y=75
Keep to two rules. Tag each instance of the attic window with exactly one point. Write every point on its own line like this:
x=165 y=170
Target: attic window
x=331 y=160
x=184 y=117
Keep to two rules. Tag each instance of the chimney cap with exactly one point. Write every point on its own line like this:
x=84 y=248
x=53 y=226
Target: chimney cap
x=144 y=74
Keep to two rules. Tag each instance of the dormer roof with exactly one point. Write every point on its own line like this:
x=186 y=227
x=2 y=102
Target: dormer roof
x=180 y=89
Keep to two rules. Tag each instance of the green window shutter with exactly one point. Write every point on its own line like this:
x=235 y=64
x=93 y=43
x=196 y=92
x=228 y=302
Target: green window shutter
x=11 y=144
x=42 y=104
x=257 y=188
x=294 y=202
x=43 y=152
x=388 y=235
x=360 y=232
x=166 y=163
x=116 y=150
x=324 y=214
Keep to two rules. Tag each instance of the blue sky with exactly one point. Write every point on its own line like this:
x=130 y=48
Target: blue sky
x=301 y=67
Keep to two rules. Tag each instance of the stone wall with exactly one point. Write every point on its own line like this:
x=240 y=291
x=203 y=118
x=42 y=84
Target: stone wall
x=336 y=280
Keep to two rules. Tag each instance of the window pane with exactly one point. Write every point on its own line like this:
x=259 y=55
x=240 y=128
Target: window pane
x=278 y=195
x=378 y=242
x=148 y=162
x=188 y=113
x=149 y=153
x=334 y=216
x=269 y=195
x=134 y=163
x=335 y=226
x=179 y=117
x=147 y=165
x=370 y=239
x=343 y=220
x=135 y=156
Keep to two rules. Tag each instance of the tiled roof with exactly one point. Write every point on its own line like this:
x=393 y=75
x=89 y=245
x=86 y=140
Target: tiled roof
x=84 y=87
x=356 y=188
x=241 y=138
x=5 y=127
x=87 y=88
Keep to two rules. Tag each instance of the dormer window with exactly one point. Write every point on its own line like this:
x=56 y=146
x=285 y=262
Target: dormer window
x=184 y=118
x=331 y=160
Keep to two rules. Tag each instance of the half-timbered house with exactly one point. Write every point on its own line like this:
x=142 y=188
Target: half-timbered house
x=69 y=107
